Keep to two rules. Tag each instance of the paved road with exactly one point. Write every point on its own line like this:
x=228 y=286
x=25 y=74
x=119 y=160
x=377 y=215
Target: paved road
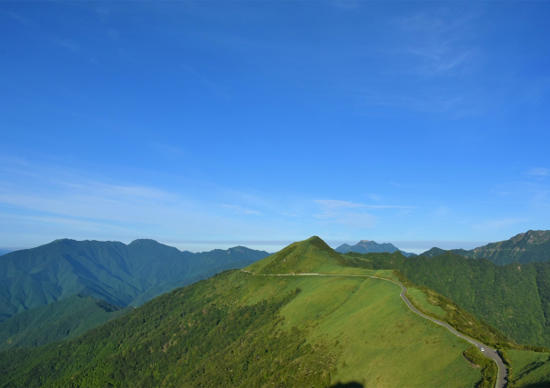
x=487 y=350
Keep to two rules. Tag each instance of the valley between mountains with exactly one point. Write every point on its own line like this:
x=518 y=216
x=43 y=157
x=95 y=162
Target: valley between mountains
x=306 y=316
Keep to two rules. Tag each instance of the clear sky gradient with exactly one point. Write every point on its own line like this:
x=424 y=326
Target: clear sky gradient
x=206 y=124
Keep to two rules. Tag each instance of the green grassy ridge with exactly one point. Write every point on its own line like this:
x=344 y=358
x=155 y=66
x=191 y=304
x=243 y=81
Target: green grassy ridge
x=449 y=311
x=112 y=271
x=236 y=329
x=513 y=298
x=528 y=365
x=56 y=321
x=311 y=255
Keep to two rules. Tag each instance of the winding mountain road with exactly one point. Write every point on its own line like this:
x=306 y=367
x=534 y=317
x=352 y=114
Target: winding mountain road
x=487 y=350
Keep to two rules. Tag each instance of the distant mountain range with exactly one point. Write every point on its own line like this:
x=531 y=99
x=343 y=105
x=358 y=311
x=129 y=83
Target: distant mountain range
x=366 y=246
x=117 y=273
x=4 y=251
x=532 y=246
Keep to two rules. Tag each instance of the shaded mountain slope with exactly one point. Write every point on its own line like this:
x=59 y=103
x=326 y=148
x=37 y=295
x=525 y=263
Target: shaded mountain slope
x=112 y=271
x=56 y=321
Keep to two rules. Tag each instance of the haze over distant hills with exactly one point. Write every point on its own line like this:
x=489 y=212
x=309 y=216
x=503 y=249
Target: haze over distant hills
x=532 y=246
x=366 y=246
x=4 y=251
x=115 y=272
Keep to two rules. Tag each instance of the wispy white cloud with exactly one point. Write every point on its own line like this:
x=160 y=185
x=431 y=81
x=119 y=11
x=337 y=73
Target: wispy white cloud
x=167 y=150
x=351 y=214
x=19 y=18
x=331 y=204
x=59 y=202
x=539 y=172
x=241 y=210
x=493 y=225
x=337 y=204
x=67 y=43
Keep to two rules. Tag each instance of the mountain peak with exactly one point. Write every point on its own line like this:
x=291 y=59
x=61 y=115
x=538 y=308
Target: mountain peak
x=299 y=257
x=144 y=241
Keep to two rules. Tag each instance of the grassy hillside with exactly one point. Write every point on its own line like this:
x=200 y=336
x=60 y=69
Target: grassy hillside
x=112 y=271
x=529 y=369
x=243 y=330
x=513 y=298
x=56 y=321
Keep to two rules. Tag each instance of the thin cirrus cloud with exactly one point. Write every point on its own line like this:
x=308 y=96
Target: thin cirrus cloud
x=331 y=204
x=492 y=225
x=539 y=172
x=240 y=210
x=351 y=214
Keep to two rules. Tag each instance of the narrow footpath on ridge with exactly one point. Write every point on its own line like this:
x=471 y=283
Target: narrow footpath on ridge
x=487 y=350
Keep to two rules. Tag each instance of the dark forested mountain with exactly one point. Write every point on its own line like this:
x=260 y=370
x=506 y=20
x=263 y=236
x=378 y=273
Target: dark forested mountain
x=112 y=271
x=366 y=246
x=56 y=321
x=528 y=247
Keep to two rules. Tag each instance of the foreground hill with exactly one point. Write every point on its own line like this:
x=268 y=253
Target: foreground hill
x=67 y=318
x=514 y=298
x=532 y=246
x=261 y=328
x=112 y=271
x=366 y=246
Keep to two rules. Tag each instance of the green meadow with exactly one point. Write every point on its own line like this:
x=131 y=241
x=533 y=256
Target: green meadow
x=377 y=339
x=528 y=369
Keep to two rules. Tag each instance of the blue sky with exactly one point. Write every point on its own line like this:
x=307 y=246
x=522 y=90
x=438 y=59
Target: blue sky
x=206 y=124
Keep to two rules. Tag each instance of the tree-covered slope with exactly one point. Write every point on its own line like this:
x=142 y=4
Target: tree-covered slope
x=112 y=271
x=532 y=246
x=244 y=329
x=67 y=318
x=514 y=298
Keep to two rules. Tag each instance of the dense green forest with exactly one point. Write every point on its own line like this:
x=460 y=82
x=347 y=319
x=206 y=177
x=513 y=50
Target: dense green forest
x=67 y=318
x=112 y=271
x=197 y=334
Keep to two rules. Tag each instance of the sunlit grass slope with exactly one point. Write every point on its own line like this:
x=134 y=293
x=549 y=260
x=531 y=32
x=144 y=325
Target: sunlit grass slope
x=242 y=329
x=529 y=369
x=309 y=256
x=377 y=340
